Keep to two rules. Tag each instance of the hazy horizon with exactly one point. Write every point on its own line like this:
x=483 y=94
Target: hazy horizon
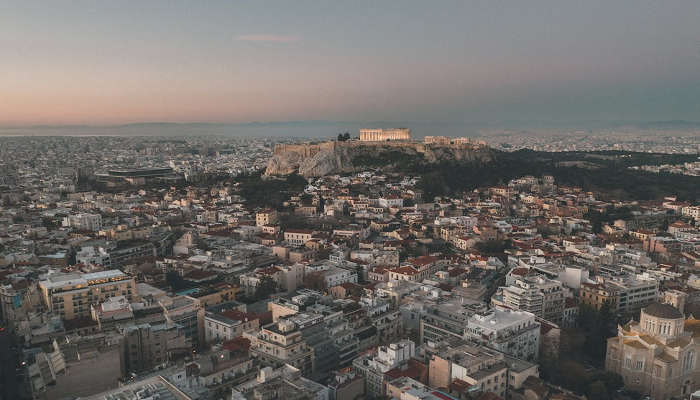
x=329 y=129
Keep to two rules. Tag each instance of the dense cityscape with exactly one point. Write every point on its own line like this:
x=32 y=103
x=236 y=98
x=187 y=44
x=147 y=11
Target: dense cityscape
x=350 y=200
x=191 y=268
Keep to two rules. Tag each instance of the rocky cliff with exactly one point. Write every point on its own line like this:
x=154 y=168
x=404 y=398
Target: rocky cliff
x=318 y=159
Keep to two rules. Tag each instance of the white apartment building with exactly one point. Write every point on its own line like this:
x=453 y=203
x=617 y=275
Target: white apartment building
x=337 y=276
x=535 y=294
x=84 y=222
x=515 y=333
x=93 y=255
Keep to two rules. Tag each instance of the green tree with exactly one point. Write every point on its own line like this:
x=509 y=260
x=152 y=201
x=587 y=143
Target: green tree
x=612 y=381
x=175 y=281
x=266 y=287
x=597 y=390
x=573 y=375
x=315 y=281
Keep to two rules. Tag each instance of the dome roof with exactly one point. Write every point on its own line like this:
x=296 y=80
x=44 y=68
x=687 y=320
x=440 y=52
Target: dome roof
x=660 y=310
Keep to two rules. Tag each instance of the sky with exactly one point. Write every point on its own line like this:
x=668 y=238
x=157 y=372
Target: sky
x=117 y=62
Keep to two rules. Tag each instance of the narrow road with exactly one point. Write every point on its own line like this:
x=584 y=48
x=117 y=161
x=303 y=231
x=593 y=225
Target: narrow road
x=10 y=386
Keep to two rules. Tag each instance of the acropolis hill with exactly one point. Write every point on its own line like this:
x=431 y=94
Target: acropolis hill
x=332 y=157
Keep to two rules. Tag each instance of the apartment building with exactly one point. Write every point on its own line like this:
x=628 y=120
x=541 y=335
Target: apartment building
x=635 y=292
x=282 y=343
x=536 y=294
x=130 y=250
x=70 y=295
x=691 y=211
x=226 y=324
x=373 y=366
x=482 y=368
x=515 y=333
x=597 y=294
x=297 y=237
x=84 y=222
x=146 y=346
x=445 y=319
x=266 y=217
x=624 y=294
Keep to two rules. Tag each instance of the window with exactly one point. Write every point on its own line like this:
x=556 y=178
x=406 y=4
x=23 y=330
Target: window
x=688 y=360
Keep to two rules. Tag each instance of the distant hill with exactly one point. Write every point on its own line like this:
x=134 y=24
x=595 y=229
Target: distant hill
x=324 y=158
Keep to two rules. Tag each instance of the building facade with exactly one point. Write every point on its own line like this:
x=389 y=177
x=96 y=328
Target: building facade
x=70 y=295
x=515 y=333
x=539 y=295
x=282 y=343
x=146 y=346
x=657 y=356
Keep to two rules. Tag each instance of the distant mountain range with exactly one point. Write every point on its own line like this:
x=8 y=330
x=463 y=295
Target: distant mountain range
x=329 y=129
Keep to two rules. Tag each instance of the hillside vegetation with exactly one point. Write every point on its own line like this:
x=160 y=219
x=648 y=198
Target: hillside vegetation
x=605 y=172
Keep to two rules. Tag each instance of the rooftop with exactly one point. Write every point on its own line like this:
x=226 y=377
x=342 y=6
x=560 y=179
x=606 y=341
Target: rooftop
x=665 y=311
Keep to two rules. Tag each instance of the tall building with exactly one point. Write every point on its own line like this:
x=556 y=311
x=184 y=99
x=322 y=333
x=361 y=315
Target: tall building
x=382 y=135
x=71 y=294
x=535 y=294
x=657 y=356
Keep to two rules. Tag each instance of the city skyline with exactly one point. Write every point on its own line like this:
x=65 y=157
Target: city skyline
x=83 y=63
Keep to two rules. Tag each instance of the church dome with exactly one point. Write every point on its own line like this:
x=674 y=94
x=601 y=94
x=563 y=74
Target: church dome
x=664 y=311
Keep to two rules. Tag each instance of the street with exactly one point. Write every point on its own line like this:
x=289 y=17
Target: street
x=10 y=386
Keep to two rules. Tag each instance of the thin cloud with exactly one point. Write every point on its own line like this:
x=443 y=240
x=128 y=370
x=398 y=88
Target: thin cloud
x=268 y=38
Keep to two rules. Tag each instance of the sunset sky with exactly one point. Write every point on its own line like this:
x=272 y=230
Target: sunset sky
x=114 y=62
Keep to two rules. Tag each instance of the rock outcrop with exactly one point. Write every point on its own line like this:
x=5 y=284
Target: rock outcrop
x=319 y=159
